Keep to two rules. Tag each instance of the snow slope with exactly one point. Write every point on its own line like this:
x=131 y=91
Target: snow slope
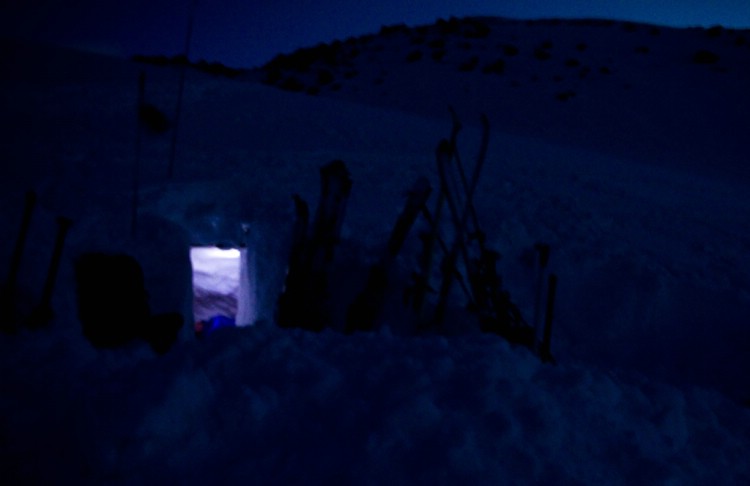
x=615 y=87
x=645 y=207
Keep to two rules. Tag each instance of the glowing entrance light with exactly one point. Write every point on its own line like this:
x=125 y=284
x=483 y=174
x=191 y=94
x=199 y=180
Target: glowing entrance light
x=223 y=292
x=215 y=253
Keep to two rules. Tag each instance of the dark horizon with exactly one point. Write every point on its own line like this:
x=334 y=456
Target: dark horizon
x=248 y=34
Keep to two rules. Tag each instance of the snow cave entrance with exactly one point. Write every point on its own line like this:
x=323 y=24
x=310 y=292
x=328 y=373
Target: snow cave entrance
x=223 y=294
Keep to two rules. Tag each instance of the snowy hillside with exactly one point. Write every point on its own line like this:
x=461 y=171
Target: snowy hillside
x=558 y=80
x=612 y=142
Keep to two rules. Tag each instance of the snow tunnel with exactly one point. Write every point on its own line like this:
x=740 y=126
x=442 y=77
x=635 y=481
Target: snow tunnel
x=223 y=288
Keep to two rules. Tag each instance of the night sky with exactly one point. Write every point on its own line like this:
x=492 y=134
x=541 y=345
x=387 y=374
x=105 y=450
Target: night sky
x=246 y=33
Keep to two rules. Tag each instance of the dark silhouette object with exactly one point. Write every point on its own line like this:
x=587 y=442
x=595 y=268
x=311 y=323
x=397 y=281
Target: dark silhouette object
x=181 y=90
x=416 y=294
x=705 y=57
x=414 y=56
x=365 y=310
x=112 y=298
x=272 y=76
x=336 y=185
x=400 y=28
x=448 y=27
x=497 y=67
x=469 y=65
x=217 y=69
x=304 y=302
x=162 y=330
x=137 y=159
x=292 y=84
x=153 y=119
x=352 y=53
x=9 y=292
x=289 y=312
x=325 y=77
x=544 y=348
x=510 y=50
x=565 y=95
x=477 y=29
x=302 y=60
x=497 y=312
x=546 y=45
x=437 y=43
x=542 y=54
x=43 y=313
x=150 y=117
x=159 y=60
x=113 y=304
x=714 y=31
x=543 y=251
x=487 y=298
x=592 y=22
x=461 y=209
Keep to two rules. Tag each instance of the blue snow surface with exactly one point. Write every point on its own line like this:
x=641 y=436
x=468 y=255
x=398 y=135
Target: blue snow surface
x=638 y=181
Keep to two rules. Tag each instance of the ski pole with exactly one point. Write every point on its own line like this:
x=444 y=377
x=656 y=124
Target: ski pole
x=544 y=351
x=43 y=313
x=543 y=251
x=137 y=159
x=15 y=262
x=181 y=89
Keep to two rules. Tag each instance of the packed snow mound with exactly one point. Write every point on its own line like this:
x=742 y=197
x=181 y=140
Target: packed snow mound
x=272 y=406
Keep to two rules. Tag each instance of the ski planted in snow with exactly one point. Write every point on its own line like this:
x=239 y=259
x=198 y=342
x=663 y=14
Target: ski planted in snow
x=420 y=287
x=365 y=310
x=460 y=216
x=304 y=301
x=544 y=348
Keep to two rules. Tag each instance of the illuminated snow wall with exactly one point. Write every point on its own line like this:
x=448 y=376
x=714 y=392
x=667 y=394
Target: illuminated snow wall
x=223 y=284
